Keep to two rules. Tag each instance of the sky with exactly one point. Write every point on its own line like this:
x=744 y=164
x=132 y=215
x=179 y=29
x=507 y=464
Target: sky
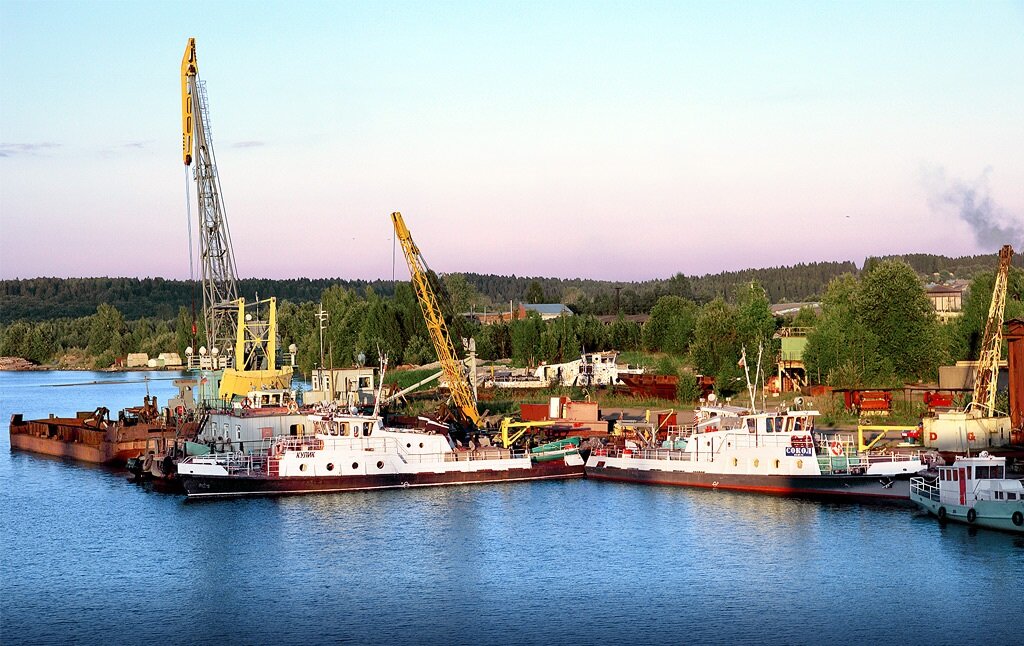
x=609 y=140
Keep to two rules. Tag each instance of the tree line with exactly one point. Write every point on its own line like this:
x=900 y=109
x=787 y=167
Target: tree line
x=876 y=328
x=45 y=299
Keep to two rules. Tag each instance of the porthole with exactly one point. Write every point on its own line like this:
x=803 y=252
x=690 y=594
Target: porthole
x=330 y=466
x=799 y=464
x=380 y=464
x=421 y=445
x=408 y=445
x=756 y=462
x=302 y=467
x=355 y=465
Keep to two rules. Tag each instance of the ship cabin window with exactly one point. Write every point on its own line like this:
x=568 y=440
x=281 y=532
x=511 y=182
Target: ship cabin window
x=996 y=472
x=956 y=475
x=779 y=424
x=789 y=423
x=364 y=382
x=751 y=425
x=327 y=383
x=316 y=381
x=238 y=432
x=295 y=429
x=798 y=424
x=366 y=429
x=344 y=428
x=1011 y=496
x=770 y=425
x=999 y=495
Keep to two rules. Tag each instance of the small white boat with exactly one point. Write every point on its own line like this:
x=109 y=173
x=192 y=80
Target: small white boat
x=974 y=490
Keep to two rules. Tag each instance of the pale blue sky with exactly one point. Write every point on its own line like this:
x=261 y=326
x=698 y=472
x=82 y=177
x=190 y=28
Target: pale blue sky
x=607 y=140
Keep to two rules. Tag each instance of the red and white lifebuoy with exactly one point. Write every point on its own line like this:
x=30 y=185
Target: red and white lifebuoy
x=835 y=448
x=293 y=407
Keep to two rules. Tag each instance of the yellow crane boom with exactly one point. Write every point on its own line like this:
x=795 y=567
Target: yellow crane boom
x=992 y=341
x=462 y=396
x=189 y=67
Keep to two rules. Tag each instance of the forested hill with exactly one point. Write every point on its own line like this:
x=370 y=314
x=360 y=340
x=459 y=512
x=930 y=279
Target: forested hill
x=38 y=299
x=943 y=267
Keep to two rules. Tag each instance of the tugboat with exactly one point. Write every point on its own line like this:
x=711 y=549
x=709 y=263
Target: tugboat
x=975 y=491
x=353 y=452
x=768 y=452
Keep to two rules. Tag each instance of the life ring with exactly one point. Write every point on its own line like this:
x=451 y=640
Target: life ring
x=970 y=437
x=835 y=448
x=972 y=515
x=293 y=407
x=1017 y=518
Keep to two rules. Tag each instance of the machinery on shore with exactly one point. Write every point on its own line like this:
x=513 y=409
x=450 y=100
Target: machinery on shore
x=464 y=409
x=979 y=426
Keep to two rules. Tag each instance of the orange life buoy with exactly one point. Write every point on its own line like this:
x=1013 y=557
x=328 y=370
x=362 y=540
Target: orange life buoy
x=293 y=407
x=970 y=437
x=836 y=448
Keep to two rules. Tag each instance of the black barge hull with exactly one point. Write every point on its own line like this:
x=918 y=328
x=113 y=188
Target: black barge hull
x=198 y=486
x=854 y=488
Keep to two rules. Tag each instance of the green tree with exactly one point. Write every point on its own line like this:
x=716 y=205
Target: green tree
x=535 y=293
x=892 y=304
x=755 y=323
x=841 y=351
x=671 y=325
x=626 y=335
x=107 y=332
x=715 y=349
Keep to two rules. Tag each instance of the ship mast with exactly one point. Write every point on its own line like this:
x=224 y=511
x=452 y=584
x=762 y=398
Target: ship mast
x=220 y=288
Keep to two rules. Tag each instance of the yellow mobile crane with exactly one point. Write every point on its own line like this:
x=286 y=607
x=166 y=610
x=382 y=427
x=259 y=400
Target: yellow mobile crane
x=462 y=395
x=992 y=341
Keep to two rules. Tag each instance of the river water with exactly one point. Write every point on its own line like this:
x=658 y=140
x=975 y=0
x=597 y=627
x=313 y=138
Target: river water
x=89 y=558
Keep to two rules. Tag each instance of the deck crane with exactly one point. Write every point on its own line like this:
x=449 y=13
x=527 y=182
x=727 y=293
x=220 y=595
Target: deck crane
x=240 y=340
x=991 y=343
x=453 y=369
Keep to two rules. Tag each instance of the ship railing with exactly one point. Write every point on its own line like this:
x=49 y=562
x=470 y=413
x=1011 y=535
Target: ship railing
x=234 y=463
x=925 y=488
x=643 y=454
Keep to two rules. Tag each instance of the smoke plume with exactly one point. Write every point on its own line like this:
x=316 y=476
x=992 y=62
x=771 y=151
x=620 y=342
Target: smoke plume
x=992 y=225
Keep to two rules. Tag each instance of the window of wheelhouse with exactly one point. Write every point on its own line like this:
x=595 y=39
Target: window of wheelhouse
x=751 y=425
x=997 y=472
x=789 y=423
x=295 y=429
x=344 y=428
x=798 y=425
x=769 y=424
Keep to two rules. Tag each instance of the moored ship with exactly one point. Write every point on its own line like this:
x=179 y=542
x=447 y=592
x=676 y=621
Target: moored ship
x=358 y=452
x=769 y=452
x=93 y=437
x=975 y=491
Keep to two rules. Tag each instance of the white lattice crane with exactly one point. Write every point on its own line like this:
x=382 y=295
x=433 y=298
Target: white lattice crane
x=220 y=285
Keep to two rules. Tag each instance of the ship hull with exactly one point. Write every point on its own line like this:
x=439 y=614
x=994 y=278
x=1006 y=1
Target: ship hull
x=845 y=487
x=211 y=486
x=70 y=439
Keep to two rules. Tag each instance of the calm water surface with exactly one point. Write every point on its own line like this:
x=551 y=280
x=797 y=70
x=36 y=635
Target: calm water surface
x=89 y=558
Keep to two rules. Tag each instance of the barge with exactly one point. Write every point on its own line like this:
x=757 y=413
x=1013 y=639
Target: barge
x=93 y=437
